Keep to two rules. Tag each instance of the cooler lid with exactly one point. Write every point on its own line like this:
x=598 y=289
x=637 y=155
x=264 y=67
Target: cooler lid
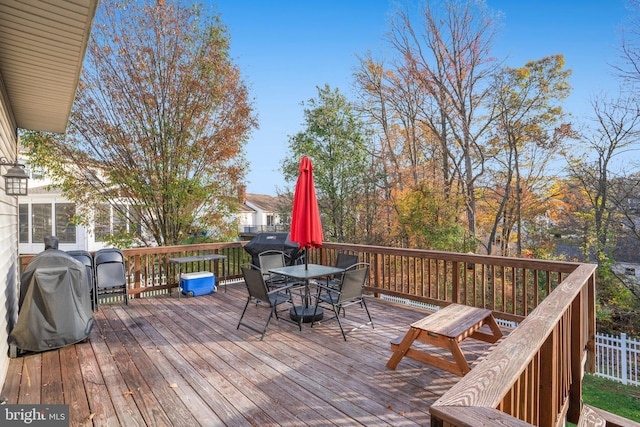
x=196 y=275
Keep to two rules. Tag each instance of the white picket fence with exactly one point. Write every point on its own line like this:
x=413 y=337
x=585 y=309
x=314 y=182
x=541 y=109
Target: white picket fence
x=618 y=358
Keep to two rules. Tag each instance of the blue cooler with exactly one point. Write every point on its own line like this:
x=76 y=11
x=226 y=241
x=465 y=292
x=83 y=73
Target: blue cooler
x=200 y=283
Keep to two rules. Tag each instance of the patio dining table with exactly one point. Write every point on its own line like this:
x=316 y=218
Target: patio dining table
x=305 y=273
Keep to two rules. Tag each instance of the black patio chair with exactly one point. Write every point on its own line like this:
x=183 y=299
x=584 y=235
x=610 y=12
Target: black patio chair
x=275 y=259
x=86 y=259
x=259 y=292
x=345 y=261
x=349 y=292
x=110 y=276
x=268 y=260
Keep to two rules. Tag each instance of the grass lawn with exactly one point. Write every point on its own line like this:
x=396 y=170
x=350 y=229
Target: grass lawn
x=614 y=397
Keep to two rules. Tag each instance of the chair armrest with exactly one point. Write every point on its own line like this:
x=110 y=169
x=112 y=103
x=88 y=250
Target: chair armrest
x=325 y=287
x=281 y=288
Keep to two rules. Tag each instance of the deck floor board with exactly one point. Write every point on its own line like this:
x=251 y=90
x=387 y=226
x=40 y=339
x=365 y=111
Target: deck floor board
x=182 y=362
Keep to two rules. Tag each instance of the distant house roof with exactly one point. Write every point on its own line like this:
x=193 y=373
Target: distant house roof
x=243 y=208
x=570 y=252
x=263 y=202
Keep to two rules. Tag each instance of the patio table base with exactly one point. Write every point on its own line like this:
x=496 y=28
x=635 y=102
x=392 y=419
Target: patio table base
x=308 y=314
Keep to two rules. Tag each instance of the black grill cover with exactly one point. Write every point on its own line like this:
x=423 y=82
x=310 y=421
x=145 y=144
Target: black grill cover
x=55 y=306
x=274 y=242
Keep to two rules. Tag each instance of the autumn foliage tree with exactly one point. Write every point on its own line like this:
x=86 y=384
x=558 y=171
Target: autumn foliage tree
x=428 y=107
x=614 y=133
x=447 y=52
x=159 y=121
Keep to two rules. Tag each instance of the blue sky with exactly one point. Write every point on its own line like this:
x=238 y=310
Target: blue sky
x=286 y=48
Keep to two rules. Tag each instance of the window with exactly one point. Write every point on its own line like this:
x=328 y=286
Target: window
x=40 y=222
x=102 y=221
x=119 y=219
x=271 y=220
x=23 y=220
x=135 y=223
x=37 y=173
x=115 y=220
x=65 y=228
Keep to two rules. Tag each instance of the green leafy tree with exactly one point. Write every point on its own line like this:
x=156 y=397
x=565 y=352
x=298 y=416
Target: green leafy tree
x=335 y=141
x=429 y=223
x=526 y=136
x=159 y=122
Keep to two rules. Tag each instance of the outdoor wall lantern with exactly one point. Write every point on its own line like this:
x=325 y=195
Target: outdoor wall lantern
x=16 y=179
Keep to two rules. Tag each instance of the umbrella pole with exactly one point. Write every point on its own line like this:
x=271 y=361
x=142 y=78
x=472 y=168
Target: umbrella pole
x=306 y=258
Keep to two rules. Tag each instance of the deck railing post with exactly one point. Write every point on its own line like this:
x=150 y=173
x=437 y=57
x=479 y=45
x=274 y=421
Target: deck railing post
x=136 y=272
x=591 y=325
x=577 y=346
x=377 y=270
x=455 y=291
x=548 y=409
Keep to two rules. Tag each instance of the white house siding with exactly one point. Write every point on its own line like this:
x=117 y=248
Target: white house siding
x=246 y=221
x=8 y=235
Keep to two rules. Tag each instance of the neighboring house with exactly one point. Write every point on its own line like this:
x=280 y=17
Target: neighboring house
x=46 y=212
x=259 y=213
x=42 y=47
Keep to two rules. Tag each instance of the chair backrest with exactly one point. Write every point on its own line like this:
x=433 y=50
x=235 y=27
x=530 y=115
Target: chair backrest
x=271 y=259
x=344 y=260
x=108 y=255
x=109 y=268
x=256 y=286
x=353 y=282
x=85 y=259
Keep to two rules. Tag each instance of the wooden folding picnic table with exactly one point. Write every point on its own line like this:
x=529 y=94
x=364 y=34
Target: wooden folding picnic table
x=446 y=328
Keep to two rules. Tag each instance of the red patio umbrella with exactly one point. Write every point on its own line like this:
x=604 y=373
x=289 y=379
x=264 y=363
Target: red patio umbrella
x=306 y=228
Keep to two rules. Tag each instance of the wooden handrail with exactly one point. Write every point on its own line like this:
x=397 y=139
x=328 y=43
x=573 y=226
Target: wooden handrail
x=534 y=374
x=592 y=417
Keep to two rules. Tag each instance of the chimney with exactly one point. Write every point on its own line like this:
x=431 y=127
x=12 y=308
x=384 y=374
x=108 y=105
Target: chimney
x=242 y=193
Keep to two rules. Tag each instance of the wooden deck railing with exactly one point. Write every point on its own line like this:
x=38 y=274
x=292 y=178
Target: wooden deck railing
x=534 y=376
x=149 y=271
x=511 y=287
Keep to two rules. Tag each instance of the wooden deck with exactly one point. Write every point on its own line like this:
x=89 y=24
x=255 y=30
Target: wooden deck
x=165 y=361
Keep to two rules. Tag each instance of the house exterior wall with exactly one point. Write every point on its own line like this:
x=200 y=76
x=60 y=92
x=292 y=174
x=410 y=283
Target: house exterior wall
x=259 y=220
x=8 y=234
x=246 y=221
